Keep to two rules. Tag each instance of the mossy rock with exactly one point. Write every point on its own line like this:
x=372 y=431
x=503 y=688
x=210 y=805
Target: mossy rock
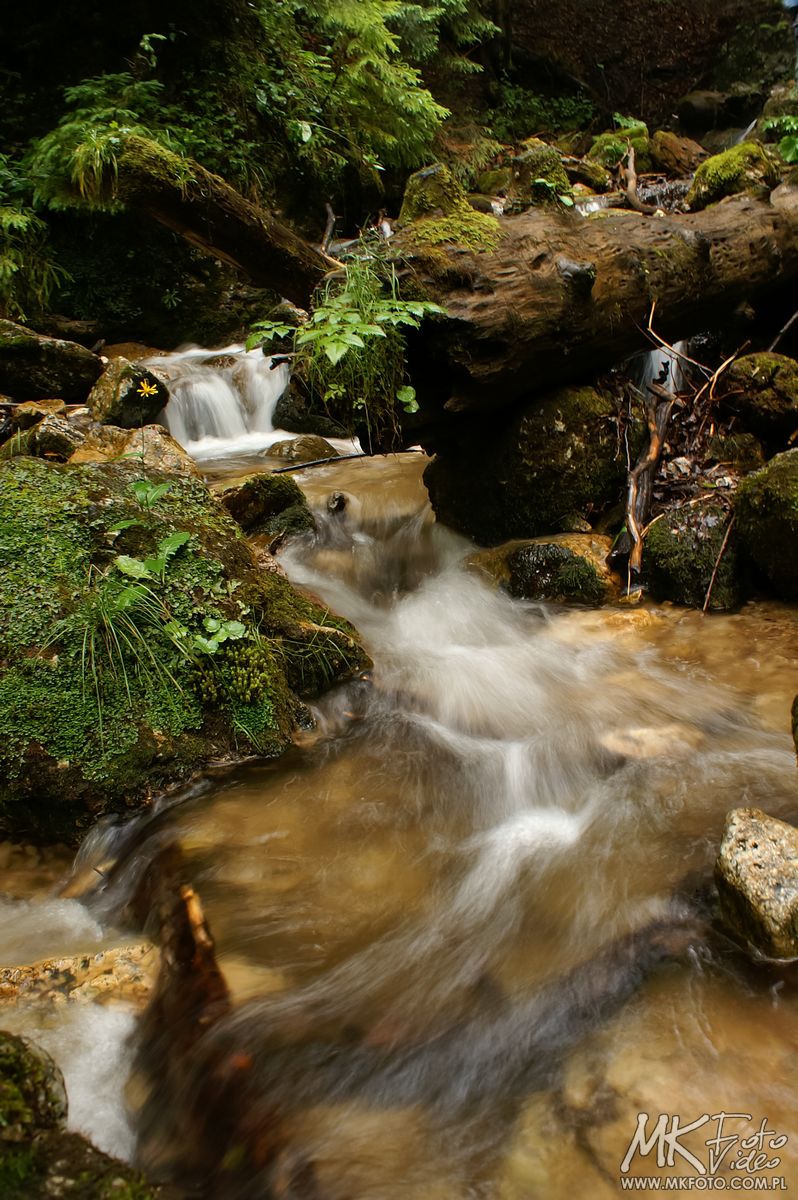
x=675 y=155
x=35 y=367
x=496 y=182
x=611 y=146
x=767 y=520
x=589 y=173
x=762 y=391
x=32 y=1093
x=555 y=459
x=432 y=190
x=680 y=552
x=740 y=450
x=265 y=503
x=744 y=168
x=127 y=395
x=108 y=694
x=539 y=177
x=567 y=567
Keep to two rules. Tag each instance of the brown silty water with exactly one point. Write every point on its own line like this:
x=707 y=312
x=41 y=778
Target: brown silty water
x=446 y=914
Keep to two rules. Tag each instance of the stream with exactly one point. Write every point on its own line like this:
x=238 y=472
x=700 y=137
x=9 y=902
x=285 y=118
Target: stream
x=435 y=911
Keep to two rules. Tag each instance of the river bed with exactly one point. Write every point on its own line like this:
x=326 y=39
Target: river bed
x=512 y=789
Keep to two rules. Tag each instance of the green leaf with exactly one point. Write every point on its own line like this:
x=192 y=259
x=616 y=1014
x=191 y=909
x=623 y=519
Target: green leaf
x=133 y=567
x=335 y=351
x=234 y=630
x=211 y=624
x=171 y=544
x=127 y=524
x=407 y=398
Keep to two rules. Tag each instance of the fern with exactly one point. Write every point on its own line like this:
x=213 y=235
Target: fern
x=28 y=273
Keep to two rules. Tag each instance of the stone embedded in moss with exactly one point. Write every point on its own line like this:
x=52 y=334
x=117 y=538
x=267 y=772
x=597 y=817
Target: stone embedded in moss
x=744 y=168
x=105 y=694
x=35 y=367
x=32 y=1093
x=432 y=190
x=610 y=147
x=761 y=390
x=266 y=503
x=495 y=182
x=680 y=553
x=767 y=519
x=539 y=177
x=127 y=395
x=563 y=567
x=557 y=457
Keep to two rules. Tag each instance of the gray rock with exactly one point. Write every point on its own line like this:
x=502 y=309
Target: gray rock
x=301 y=449
x=757 y=879
x=35 y=367
x=127 y=395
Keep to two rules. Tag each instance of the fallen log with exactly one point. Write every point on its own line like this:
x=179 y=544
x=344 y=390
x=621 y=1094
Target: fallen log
x=212 y=215
x=563 y=297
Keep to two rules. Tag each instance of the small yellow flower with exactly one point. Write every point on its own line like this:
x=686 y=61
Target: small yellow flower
x=146 y=389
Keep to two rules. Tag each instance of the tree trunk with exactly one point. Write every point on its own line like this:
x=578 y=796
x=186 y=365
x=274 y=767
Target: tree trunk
x=563 y=297
x=211 y=214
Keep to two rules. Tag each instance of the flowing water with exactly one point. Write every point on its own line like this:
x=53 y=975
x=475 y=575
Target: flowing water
x=445 y=914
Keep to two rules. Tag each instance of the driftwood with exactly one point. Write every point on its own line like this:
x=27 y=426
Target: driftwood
x=629 y=174
x=641 y=479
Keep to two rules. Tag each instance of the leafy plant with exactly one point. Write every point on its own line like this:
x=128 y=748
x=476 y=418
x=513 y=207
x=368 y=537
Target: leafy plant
x=787 y=126
x=352 y=349
x=28 y=273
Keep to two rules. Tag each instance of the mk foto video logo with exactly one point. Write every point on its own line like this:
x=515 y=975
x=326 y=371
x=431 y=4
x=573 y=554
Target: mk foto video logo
x=744 y=1153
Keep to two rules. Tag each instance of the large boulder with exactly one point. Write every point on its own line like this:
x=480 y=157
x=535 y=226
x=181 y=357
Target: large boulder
x=127 y=395
x=757 y=879
x=151 y=447
x=555 y=461
x=35 y=367
x=675 y=155
x=141 y=641
x=747 y=167
x=761 y=390
x=767 y=521
x=682 y=551
x=570 y=567
x=264 y=503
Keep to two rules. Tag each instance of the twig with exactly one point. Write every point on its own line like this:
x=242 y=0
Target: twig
x=717 y=563
x=322 y=462
x=782 y=332
x=328 y=229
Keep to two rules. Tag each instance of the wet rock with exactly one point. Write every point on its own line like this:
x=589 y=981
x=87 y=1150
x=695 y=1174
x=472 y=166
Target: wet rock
x=32 y=1092
x=496 y=182
x=151 y=447
x=539 y=177
x=271 y=504
x=130 y=659
x=766 y=508
x=675 y=155
x=556 y=458
x=611 y=146
x=127 y=395
x=52 y=437
x=761 y=390
x=35 y=367
x=122 y=975
x=680 y=553
x=563 y=567
x=740 y=450
x=705 y=109
x=747 y=167
x=30 y=412
x=757 y=879
x=590 y=174
x=296 y=412
x=302 y=449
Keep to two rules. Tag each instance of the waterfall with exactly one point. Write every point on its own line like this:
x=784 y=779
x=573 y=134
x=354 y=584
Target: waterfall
x=222 y=401
x=664 y=366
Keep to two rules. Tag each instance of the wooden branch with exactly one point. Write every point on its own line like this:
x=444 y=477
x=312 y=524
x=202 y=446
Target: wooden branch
x=630 y=179
x=641 y=483
x=721 y=552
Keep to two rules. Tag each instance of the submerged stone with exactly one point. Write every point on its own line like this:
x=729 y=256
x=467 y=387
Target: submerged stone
x=757 y=879
x=302 y=449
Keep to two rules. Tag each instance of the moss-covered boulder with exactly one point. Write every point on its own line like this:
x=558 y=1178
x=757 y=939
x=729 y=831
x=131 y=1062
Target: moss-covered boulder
x=761 y=390
x=35 y=367
x=592 y=175
x=680 y=555
x=747 y=167
x=436 y=212
x=740 y=450
x=611 y=146
x=555 y=459
x=432 y=190
x=264 y=503
x=39 y=1160
x=127 y=395
x=539 y=177
x=675 y=155
x=567 y=567
x=141 y=641
x=767 y=521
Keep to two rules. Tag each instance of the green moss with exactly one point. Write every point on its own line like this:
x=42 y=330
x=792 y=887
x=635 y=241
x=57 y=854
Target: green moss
x=268 y=504
x=743 y=168
x=611 y=146
x=104 y=697
x=477 y=231
x=552 y=572
x=767 y=519
x=680 y=554
x=431 y=190
x=540 y=177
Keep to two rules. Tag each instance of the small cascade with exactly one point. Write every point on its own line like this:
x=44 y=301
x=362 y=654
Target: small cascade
x=663 y=366
x=222 y=401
